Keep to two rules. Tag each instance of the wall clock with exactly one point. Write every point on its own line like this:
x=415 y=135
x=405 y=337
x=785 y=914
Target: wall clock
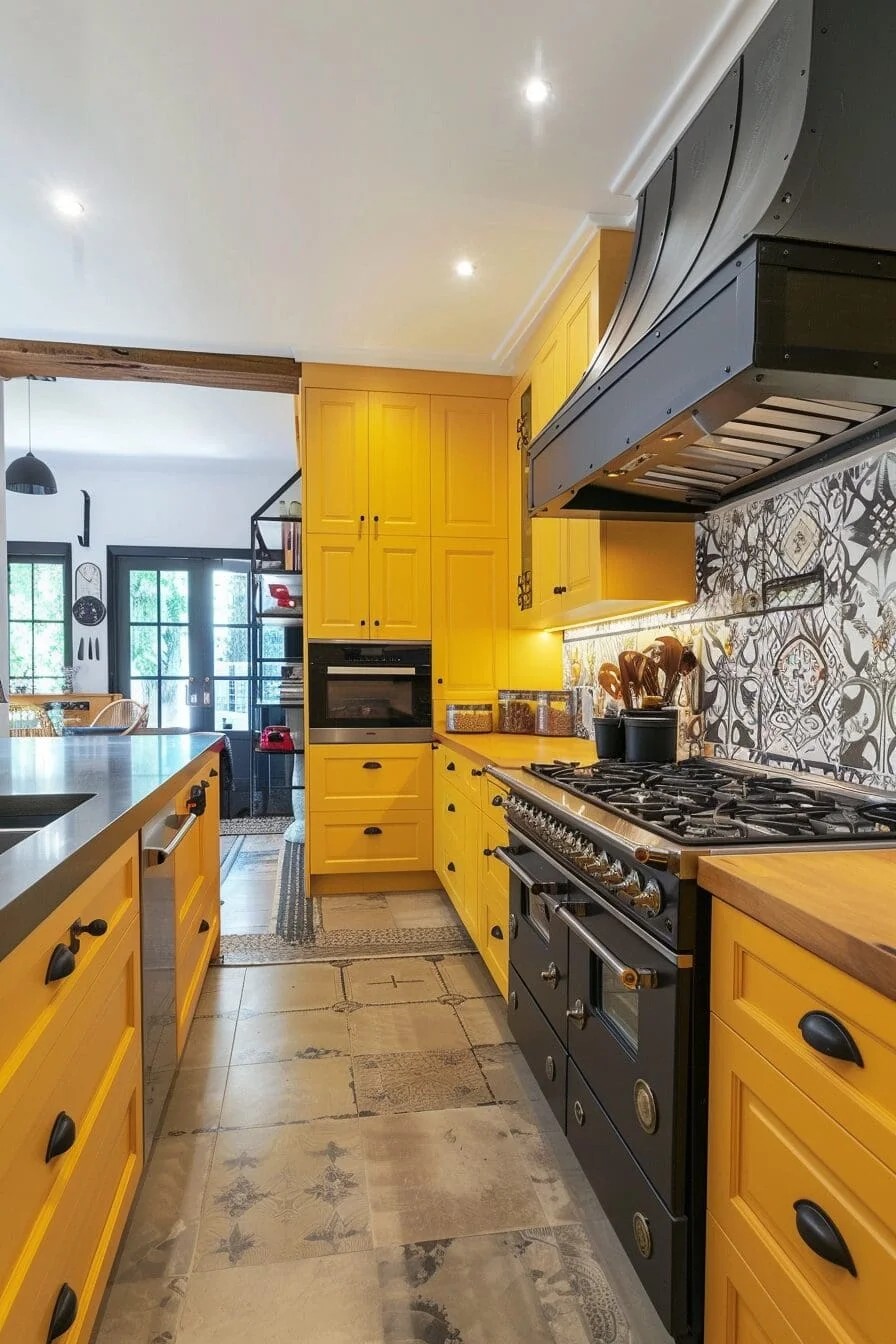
x=88 y=607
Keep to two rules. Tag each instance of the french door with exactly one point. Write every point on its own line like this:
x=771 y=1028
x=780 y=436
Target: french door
x=182 y=639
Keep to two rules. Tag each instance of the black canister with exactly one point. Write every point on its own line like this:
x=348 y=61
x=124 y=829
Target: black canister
x=651 y=735
x=609 y=738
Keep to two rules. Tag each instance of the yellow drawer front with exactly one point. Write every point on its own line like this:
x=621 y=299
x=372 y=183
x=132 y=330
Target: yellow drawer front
x=771 y=1148
x=196 y=942
x=82 y=1236
x=358 y=842
x=392 y=775
x=489 y=790
x=452 y=811
x=35 y=1013
x=738 y=1309
x=449 y=764
x=494 y=902
x=764 y=986
x=63 y=1096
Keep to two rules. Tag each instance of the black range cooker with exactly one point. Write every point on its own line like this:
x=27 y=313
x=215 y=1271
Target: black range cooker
x=609 y=972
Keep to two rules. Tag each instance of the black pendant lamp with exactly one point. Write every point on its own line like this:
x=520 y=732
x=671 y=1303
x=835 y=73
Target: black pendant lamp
x=28 y=475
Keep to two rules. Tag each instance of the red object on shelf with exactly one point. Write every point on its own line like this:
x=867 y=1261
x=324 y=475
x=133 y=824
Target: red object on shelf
x=282 y=596
x=276 y=737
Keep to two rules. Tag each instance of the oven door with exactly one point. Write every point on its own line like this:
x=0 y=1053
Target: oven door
x=629 y=1021
x=539 y=942
x=369 y=693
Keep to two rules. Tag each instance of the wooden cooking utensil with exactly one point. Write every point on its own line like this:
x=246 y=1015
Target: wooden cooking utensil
x=609 y=680
x=686 y=669
x=631 y=671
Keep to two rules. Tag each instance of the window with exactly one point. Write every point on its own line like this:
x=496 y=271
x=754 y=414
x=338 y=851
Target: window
x=40 y=645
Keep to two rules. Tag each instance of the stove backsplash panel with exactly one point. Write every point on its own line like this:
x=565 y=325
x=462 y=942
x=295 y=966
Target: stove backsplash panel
x=809 y=687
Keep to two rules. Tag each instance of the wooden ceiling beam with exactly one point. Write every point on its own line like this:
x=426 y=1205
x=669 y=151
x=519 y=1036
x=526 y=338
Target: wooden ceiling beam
x=55 y=359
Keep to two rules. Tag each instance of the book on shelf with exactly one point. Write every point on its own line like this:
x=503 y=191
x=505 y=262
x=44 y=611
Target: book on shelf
x=291 y=530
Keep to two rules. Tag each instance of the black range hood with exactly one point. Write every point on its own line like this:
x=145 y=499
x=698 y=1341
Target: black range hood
x=756 y=334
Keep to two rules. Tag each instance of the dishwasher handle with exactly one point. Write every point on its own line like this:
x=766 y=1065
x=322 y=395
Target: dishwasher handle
x=165 y=851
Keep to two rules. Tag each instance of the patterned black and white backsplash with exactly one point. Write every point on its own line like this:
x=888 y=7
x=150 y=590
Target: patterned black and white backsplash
x=810 y=687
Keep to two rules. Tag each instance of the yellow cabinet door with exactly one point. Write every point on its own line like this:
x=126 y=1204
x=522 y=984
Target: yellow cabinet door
x=580 y=330
x=392 y=776
x=400 y=588
x=470 y=619
x=337 y=595
x=469 y=467
x=335 y=482
x=547 y=570
x=399 y=465
x=580 y=563
x=549 y=378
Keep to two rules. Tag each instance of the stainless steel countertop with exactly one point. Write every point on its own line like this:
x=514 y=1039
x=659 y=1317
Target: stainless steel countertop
x=130 y=778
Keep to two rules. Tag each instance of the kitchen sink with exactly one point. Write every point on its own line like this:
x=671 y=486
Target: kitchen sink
x=24 y=814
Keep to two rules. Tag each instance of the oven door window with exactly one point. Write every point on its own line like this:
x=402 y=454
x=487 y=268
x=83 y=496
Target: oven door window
x=381 y=701
x=616 y=1004
x=537 y=912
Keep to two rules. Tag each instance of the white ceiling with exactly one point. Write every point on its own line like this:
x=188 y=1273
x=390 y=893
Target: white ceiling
x=282 y=176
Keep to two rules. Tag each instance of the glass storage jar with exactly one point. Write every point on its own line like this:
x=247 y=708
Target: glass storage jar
x=555 y=714
x=469 y=718
x=516 y=711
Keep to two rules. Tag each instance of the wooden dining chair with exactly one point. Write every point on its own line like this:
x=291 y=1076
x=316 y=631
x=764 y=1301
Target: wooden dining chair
x=126 y=715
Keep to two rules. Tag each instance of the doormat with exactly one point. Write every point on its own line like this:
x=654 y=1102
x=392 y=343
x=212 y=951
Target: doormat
x=255 y=825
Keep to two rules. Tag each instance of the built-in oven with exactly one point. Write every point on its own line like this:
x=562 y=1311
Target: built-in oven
x=369 y=692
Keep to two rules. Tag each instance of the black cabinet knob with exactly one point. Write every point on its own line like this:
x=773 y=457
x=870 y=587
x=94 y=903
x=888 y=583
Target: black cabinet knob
x=451 y=868
x=559 y=590
x=376 y=622
x=372 y=765
x=204 y=926
x=64 y=1312
x=497 y=932
x=451 y=807
x=488 y=852
x=96 y=928
x=450 y=766
x=62 y=963
x=477 y=773
x=62 y=1136
x=214 y=774
x=829 y=1037
x=439 y=680
x=498 y=800
x=822 y=1235
x=372 y=830
x=363 y=622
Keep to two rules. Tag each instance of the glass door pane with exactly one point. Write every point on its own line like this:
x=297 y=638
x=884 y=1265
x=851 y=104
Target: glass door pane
x=159 y=643
x=230 y=645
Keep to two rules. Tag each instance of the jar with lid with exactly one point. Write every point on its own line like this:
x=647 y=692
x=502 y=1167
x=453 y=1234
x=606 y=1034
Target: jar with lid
x=469 y=718
x=555 y=714
x=516 y=711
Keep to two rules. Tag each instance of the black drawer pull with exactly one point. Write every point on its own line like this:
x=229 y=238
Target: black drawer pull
x=373 y=830
x=213 y=773
x=204 y=926
x=498 y=800
x=451 y=868
x=62 y=963
x=62 y=1136
x=497 y=932
x=451 y=807
x=450 y=766
x=372 y=765
x=829 y=1037
x=821 y=1235
x=477 y=773
x=95 y=929
x=64 y=1313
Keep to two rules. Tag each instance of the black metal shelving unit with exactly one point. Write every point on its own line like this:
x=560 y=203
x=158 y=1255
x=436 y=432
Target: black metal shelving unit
x=273 y=562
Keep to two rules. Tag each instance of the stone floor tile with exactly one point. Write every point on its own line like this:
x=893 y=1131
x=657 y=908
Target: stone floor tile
x=421 y=910
x=162 y=1231
x=287 y=1193
x=393 y=980
x=505 y=1071
x=268 y=1037
x=194 y=1106
x=145 y=1312
x=433 y=1174
x=278 y=989
x=355 y=912
x=540 y=1164
x=286 y=1303
x=222 y=991
x=210 y=1042
x=431 y=1080
x=485 y=1021
x=391 y=1028
x=466 y=975
x=281 y=1093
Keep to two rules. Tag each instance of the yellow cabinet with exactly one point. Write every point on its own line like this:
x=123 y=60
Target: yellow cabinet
x=580 y=336
x=549 y=379
x=337 y=587
x=469 y=467
x=395 y=775
x=400 y=580
x=371 y=840
x=336 y=476
x=494 y=900
x=469 y=608
x=738 y=1308
x=399 y=467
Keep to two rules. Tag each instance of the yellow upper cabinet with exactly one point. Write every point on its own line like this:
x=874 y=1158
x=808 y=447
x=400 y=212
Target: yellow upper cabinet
x=469 y=467
x=549 y=378
x=469 y=618
x=336 y=472
x=399 y=464
x=400 y=588
x=580 y=333
x=337 y=588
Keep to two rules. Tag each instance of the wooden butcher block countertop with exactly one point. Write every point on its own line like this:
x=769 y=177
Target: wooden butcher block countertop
x=511 y=750
x=841 y=905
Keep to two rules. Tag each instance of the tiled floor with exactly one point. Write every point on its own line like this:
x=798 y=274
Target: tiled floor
x=355 y=1153
x=247 y=892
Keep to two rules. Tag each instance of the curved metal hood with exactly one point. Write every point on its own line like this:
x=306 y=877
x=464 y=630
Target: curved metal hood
x=756 y=333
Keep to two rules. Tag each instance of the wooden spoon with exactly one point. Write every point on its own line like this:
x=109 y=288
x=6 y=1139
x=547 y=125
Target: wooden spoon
x=609 y=680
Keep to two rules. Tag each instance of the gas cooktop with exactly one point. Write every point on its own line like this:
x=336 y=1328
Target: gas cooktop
x=705 y=802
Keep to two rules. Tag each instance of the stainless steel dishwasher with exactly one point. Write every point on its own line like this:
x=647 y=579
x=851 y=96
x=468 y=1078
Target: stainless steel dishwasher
x=159 y=839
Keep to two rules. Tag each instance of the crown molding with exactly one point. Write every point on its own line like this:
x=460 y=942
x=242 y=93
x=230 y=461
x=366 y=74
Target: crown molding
x=517 y=335
x=724 y=42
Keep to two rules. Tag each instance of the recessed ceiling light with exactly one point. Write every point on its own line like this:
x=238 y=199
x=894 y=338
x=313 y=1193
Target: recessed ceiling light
x=464 y=268
x=537 y=91
x=66 y=203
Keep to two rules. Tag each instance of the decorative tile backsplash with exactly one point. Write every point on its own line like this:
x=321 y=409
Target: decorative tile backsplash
x=806 y=686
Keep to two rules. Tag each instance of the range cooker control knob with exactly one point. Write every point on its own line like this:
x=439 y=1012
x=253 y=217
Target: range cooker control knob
x=650 y=900
x=630 y=886
x=601 y=863
x=615 y=874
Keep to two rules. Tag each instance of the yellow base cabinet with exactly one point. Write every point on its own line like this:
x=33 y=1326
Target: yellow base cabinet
x=372 y=840
x=370 y=808
x=494 y=901
x=395 y=775
x=738 y=1309
x=196 y=867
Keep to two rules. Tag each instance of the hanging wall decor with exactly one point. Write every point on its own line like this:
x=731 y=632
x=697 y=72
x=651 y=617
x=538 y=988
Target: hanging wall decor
x=88 y=607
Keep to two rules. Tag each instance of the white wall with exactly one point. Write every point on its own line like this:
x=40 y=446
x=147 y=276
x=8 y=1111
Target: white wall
x=140 y=503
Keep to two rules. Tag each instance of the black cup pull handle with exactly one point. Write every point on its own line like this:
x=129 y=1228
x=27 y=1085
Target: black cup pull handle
x=498 y=800
x=451 y=868
x=372 y=830
x=213 y=773
x=62 y=963
x=829 y=1037
x=372 y=765
x=451 y=807
x=497 y=932
x=822 y=1235
x=450 y=766
x=204 y=926
x=62 y=1136
x=64 y=1313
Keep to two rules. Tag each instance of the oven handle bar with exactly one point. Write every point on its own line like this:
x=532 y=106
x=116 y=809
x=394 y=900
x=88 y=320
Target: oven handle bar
x=630 y=976
x=385 y=671
x=530 y=883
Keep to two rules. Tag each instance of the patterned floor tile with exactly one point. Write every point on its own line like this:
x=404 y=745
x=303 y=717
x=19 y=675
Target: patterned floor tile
x=393 y=980
x=485 y=1021
x=467 y=976
x=142 y=1313
x=390 y=1028
x=278 y=989
x=288 y=1193
x=433 y=1174
x=539 y=1163
x=222 y=991
x=284 y=1303
x=505 y=1072
x=429 y=1081
x=268 y=1037
x=162 y=1231
x=285 y=1092
x=195 y=1103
